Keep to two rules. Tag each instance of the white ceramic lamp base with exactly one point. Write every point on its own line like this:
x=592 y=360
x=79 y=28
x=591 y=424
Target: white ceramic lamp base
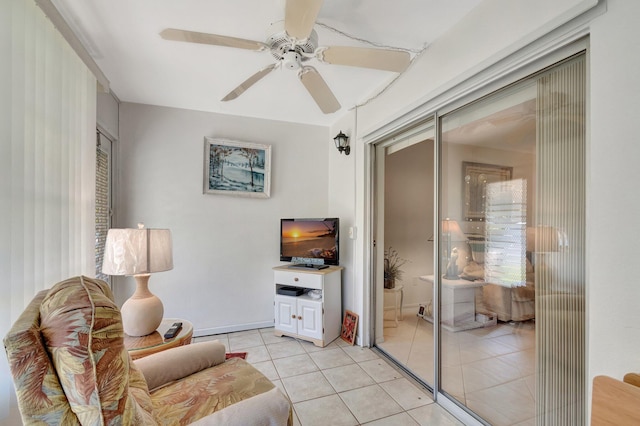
x=142 y=313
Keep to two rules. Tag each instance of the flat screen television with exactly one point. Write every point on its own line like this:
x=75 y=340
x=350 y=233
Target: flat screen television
x=310 y=242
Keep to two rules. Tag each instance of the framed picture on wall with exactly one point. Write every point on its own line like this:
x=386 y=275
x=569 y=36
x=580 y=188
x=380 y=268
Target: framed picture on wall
x=237 y=168
x=349 y=327
x=475 y=177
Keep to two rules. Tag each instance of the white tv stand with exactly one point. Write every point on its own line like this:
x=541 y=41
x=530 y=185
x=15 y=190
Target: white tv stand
x=317 y=320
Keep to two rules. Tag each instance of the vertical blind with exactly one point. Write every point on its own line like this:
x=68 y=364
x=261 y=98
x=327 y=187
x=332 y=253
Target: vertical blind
x=560 y=265
x=47 y=163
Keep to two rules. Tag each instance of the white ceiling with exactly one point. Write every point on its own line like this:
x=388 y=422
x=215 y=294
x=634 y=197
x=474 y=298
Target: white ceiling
x=123 y=38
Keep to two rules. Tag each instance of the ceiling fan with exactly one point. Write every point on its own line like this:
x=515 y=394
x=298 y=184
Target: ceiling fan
x=295 y=42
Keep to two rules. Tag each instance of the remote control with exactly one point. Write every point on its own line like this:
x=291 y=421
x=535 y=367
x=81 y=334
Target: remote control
x=173 y=330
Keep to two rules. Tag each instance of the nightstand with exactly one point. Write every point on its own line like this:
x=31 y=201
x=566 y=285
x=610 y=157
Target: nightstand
x=458 y=309
x=139 y=347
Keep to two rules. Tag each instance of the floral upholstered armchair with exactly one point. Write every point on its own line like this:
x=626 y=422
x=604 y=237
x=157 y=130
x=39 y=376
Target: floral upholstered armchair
x=69 y=365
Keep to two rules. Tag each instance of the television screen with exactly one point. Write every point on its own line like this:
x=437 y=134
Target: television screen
x=313 y=241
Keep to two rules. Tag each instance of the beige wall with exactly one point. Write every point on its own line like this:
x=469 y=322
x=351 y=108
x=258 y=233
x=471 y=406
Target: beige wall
x=224 y=246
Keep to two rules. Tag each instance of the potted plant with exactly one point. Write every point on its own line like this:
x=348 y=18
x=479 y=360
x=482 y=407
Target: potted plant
x=392 y=264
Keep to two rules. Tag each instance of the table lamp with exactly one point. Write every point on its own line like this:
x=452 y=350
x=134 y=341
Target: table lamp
x=139 y=252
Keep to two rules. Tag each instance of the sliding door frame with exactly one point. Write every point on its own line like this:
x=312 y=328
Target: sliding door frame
x=551 y=49
x=417 y=133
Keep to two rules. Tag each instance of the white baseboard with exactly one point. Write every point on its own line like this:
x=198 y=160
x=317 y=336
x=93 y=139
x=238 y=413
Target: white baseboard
x=244 y=327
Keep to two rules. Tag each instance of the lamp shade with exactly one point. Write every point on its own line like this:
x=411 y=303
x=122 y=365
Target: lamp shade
x=137 y=251
x=451 y=229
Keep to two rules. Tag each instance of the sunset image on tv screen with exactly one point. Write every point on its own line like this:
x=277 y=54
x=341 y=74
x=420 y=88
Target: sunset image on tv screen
x=313 y=239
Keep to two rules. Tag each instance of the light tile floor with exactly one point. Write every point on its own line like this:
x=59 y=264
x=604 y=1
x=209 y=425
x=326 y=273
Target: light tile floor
x=338 y=384
x=491 y=369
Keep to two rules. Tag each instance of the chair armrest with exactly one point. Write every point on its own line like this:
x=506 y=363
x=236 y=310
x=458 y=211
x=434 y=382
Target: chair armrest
x=176 y=363
x=632 y=379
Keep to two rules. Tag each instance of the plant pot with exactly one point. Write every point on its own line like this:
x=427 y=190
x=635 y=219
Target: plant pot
x=389 y=283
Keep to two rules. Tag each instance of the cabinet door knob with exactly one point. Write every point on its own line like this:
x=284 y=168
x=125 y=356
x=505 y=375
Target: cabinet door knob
x=293 y=316
x=296 y=279
x=299 y=317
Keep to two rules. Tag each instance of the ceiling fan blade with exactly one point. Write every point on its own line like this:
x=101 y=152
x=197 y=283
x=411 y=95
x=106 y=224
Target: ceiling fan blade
x=319 y=90
x=248 y=83
x=380 y=59
x=300 y=17
x=214 y=39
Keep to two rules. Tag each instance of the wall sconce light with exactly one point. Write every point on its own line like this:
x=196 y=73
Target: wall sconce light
x=342 y=143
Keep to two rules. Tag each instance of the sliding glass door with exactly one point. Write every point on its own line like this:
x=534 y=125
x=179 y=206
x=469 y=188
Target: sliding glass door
x=405 y=189
x=493 y=313
x=512 y=236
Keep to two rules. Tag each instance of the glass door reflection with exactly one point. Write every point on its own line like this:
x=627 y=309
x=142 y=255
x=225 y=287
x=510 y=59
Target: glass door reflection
x=405 y=215
x=512 y=287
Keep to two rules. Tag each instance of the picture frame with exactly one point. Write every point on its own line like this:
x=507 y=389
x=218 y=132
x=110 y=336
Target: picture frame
x=349 y=327
x=237 y=168
x=475 y=177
